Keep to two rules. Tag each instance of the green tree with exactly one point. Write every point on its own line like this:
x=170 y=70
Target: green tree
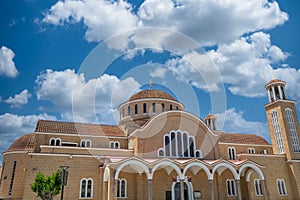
x=47 y=187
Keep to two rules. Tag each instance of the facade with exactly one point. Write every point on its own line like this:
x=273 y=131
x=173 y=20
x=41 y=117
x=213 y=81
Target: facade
x=161 y=152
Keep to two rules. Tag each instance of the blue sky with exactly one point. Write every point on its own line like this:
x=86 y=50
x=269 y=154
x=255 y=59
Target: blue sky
x=77 y=60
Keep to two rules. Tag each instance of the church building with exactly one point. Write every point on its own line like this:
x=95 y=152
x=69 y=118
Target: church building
x=158 y=151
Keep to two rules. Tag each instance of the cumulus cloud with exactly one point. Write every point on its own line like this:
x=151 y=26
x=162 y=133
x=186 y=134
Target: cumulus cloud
x=19 y=99
x=234 y=120
x=13 y=126
x=7 y=65
x=102 y=18
x=214 y=21
x=83 y=100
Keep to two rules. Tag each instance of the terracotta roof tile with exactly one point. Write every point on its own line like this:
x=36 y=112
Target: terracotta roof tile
x=151 y=94
x=77 y=128
x=23 y=143
x=242 y=138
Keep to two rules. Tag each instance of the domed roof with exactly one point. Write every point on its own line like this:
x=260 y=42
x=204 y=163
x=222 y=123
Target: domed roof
x=23 y=143
x=275 y=80
x=151 y=94
x=209 y=116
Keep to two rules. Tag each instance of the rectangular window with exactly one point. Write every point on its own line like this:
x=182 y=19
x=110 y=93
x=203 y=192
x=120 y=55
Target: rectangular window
x=292 y=129
x=12 y=178
x=277 y=132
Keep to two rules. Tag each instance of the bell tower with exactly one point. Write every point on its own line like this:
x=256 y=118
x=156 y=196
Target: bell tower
x=282 y=121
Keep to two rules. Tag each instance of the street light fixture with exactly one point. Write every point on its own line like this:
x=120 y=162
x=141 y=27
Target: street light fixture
x=64 y=178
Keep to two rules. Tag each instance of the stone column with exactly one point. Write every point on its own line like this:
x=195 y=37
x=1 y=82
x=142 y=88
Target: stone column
x=182 y=189
x=149 y=189
x=211 y=189
x=280 y=92
x=273 y=91
x=269 y=95
x=238 y=188
x=104 y=190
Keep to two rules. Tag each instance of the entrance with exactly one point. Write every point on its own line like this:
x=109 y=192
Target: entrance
x=177 y=192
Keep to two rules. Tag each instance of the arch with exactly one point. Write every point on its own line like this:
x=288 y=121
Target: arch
x=248 y=175
x=133 y=162
x=254 y=167
x=169 y=164
x=202 y=166
x=228 y=166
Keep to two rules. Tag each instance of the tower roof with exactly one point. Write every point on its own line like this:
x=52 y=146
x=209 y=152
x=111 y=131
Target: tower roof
x=275 y=80
x=151 y=94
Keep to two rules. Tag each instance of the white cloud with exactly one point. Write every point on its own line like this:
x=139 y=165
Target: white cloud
x=214 y=21
x=19 y=99
x=102 y=18
x=83 y=100
x=246 y=63
x=13 y=126
x=7 y=65
x=235 y=121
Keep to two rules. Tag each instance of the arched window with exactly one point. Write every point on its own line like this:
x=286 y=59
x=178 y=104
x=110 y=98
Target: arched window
x=277 y=132
x=85 y=143
x=128 y=110
x=153 y=108
x=144 y=108
x=122 y=188
x=257 y=186
x=281 y=187
x=114 y=144
x=135 y=109
x=231 y=153
x=251 y=151
x=171 y=107
x=179 y=144
x=177 y=108
x=86 y=188
x=55 y=142
x=163 y=107
x=231 y=188
x=292 y=129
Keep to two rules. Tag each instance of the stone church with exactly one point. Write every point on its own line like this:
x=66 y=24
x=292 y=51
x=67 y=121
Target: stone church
x=158 y=151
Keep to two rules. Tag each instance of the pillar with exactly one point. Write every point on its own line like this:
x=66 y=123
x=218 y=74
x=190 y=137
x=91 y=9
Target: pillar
x=269 y=95
x=211 y=189
x=149 y=189
x=273 y=91
x=182 y=189
x=104 y=190
x=238 y=188
x=280 y=92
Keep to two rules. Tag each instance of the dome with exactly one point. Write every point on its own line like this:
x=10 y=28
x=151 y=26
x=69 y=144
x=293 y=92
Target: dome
x=23 y=143
x=151 y=94
x=274 y=80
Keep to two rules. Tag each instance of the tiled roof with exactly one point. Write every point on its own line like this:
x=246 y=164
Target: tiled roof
x=77 y=128
x=23 y=143
x=275 y=80
x=242 y=138
x=151 y=94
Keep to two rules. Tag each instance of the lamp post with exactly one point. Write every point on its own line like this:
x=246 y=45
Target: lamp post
x=64 y=178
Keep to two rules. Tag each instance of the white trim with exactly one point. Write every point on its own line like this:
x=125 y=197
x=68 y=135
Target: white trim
x=250 y=145
x=282 y=187
x=258 y=191
x=133 y=162
x=231 y=189
x=200 y=165
x=168 y=164
x=150 y=99
x=81 y=135
x=228 y=166
x=254 y=167
x=86 y=188
x=190 y=189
